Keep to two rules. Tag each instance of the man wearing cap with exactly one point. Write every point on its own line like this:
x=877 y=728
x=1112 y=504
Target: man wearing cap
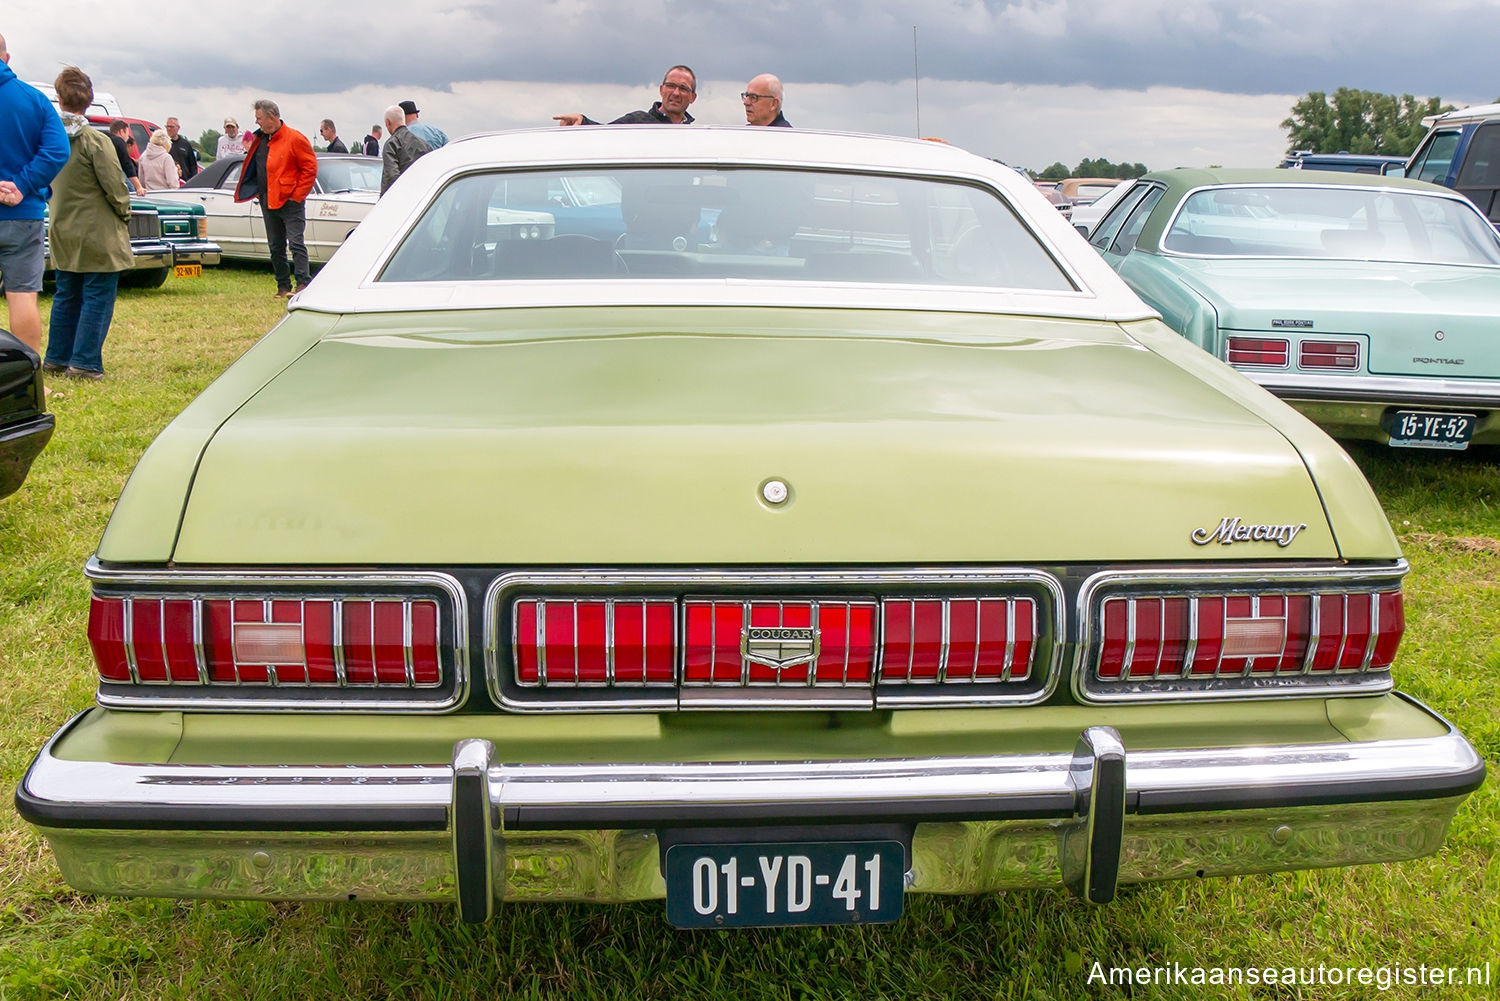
x=679 y=88
x=184 y=152
x=429 y=134
x=762 y=100
x=34 y=149
x=232 y=142
x=280 y=169
x=372 y=141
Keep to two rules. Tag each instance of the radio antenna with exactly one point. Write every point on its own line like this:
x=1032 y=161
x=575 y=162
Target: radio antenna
x=916 y=79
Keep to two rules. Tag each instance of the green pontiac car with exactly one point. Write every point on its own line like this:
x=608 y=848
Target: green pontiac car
x=165 y=239
x=1366 y=302
x=843 y=528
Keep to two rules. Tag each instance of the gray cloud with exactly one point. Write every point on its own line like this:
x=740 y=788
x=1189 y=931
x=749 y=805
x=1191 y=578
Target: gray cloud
x=1277 y=46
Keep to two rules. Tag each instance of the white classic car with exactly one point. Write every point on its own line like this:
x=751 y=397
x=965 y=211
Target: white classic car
x=346 y=190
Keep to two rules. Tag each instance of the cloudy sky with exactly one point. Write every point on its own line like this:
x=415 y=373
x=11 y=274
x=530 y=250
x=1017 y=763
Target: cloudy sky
x=1162 y=82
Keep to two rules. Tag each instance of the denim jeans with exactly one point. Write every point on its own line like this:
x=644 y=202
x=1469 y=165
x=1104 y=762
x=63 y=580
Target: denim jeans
x=82 y=307
x=287 y=225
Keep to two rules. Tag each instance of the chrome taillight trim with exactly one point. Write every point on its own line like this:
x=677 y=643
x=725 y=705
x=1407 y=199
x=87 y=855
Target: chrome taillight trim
x=1302 y=354
x=1189 y=582
x=206 y=696
x=916 y=582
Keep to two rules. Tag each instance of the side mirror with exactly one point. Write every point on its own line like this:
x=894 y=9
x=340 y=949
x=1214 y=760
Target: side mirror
x=1393 y=170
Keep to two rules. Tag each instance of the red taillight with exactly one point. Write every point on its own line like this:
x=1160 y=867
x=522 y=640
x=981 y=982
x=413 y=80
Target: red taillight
x=958 y=639
x=385 y=642
x=772 y=642
x=1269 y=351
x=1341 y=355
x=1238 y=635
x=750 y=642
x=594 y=641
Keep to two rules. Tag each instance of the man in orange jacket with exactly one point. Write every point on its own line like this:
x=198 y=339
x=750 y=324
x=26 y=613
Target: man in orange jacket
x=280 y=168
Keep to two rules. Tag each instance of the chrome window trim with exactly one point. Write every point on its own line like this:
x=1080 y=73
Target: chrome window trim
x=1218 y=688
x=211 y=584
x=1442 y=195
x=909 y=582
x=1060 y=260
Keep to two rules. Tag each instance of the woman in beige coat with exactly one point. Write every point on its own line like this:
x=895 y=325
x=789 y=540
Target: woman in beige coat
x=158 y=169
x=86 y=235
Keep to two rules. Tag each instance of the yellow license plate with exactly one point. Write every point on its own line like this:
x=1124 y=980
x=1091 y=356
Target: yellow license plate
x=188 y=270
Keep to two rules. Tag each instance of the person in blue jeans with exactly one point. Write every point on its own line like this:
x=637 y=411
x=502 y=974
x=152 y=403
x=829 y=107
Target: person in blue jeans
x=87 y=236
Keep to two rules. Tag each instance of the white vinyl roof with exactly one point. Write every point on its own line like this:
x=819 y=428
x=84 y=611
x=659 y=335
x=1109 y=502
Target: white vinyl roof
x=347 y=284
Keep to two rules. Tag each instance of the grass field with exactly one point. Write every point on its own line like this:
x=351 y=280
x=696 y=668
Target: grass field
x=167 y=344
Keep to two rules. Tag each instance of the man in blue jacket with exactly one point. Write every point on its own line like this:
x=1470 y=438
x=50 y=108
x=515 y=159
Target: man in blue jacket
x=33 y=148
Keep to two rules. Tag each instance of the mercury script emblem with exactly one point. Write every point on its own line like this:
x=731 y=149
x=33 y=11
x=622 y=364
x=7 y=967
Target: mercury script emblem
x=779 y=647
x=1232 y=530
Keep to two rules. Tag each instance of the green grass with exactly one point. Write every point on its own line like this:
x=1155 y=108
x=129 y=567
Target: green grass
x=166 y=345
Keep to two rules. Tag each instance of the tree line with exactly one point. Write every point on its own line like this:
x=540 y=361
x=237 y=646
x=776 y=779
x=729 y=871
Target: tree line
x=1360 y=121
x=1093 y=168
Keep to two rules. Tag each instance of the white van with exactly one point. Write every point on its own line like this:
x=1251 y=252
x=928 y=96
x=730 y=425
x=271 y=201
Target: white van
x=104 y=106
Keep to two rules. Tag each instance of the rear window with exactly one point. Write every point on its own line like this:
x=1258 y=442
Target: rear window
x=782 y=225
x=1371 y=224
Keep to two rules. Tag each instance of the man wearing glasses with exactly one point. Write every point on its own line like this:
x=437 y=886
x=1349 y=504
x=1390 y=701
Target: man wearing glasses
x=762 y=98
x=679 y=88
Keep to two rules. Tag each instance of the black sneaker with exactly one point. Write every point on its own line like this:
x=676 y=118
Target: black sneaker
x=82 y=373
x=48 y=366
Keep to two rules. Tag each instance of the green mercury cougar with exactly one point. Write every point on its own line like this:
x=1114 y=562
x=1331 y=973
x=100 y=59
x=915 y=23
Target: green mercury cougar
x=815 y=521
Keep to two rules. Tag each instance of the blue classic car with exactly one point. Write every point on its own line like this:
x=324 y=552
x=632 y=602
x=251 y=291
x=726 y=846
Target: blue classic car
x=1368 y=303
x=1462 y=151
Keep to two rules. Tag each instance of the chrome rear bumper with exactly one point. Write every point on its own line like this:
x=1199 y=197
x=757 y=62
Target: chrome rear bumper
x=482 y=831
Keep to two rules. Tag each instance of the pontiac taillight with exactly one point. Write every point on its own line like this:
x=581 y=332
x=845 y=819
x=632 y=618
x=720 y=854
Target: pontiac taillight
x=1263 y=351
x=1338 y=355
x=270 y=642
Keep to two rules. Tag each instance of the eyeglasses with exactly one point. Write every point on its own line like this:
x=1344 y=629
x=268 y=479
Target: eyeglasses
x=745 y=95
x=679 y=88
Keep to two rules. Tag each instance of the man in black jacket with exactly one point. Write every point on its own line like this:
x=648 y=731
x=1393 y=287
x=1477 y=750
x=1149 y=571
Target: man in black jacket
x=762 y=100
x=679 y=88
x=372 y=141
x=182 y=151
x=331 y=137
x=119 y=133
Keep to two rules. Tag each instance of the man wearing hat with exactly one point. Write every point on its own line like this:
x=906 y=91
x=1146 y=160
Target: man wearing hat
x=232 y=142
x=429 y=134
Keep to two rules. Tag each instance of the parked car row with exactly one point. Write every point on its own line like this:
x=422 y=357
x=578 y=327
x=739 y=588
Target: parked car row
x=165 y=239
x=835 y=525
x=1366 y=302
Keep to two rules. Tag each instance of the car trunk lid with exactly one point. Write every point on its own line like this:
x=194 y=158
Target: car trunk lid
x=585 y=436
